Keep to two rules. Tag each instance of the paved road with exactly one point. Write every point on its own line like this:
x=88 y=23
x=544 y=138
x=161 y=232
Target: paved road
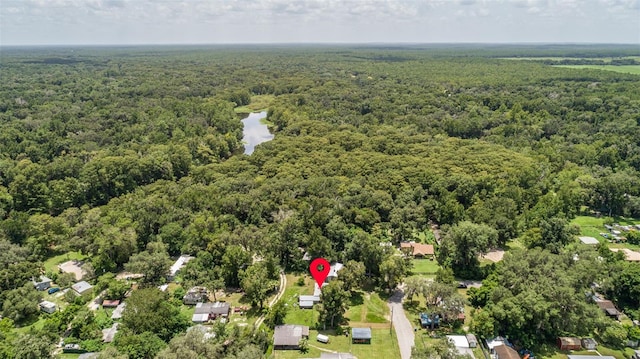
x=283 y=284
x=402 y=325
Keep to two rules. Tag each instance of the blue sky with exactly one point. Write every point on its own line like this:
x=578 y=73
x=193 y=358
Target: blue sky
x=74 y=22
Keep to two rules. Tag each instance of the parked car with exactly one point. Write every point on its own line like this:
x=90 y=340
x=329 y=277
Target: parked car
x=462 y=285
x=53 y=290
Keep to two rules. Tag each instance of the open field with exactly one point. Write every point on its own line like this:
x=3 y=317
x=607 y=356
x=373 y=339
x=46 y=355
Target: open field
x=592 y=226
x=383 y=345
x=627 y=69
x=258 y=103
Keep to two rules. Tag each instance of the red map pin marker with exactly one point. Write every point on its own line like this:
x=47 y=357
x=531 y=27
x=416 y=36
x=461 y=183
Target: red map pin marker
x=316 y=273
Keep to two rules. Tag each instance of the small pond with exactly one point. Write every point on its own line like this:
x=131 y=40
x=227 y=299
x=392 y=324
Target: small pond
x=255 y=132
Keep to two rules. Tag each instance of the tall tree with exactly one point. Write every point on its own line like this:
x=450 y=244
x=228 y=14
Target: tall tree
x=334 y=304
x=149 y=310
x=153 y=263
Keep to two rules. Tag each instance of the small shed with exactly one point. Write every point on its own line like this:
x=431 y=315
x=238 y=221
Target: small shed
x=110 y=303
x=589 y=343
x=322 y=338
x=473 y=342
x=569 y=343
x=43 y=283
x=47 y=307
x=305 y=304
x=588 y=240
x=200 y=318
x=361 y=335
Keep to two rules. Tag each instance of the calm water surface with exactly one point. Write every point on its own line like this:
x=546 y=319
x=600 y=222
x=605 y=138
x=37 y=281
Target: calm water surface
x=254 y=131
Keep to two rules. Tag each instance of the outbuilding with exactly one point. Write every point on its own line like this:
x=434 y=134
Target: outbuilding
x=589 y=343
x=361 y=335
x=471 y=339
x=47 y=307
x=322 y=338
x=569 y=343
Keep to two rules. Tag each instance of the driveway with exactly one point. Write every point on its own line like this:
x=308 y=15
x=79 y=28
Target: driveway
x=402 y=325
x=283 y=284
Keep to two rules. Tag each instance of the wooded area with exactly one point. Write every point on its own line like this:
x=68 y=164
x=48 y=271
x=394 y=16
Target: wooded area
x=131 y=156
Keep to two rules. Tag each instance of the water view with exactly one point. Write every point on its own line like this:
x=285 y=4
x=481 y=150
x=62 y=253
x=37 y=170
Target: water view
x=255 y=132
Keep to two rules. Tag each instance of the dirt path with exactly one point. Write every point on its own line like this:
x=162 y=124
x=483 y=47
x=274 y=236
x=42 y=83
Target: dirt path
x=283 y=284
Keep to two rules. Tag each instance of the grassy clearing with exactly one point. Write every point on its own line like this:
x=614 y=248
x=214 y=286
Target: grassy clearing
x=367 y=308
x=425 y=267
x=627 y=69
x=51 y=264
x=383 y=345
x=258 y=103
x=593 y=226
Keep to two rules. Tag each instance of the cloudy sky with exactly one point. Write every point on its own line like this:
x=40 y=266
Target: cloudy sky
x=55 y=22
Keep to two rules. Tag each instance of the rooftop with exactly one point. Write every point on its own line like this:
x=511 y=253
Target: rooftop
x=81 y=287
x=179 y=263
x=289 y=335
x=212 y=308
x=590 y=357
x=506 y=352
x=361 y=333
x=588 y=240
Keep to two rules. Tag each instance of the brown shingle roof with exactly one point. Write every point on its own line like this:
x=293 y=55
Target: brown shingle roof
x=506 y=352
x=422 y=249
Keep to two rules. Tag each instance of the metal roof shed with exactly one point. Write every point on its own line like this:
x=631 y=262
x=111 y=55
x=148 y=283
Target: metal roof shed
x=361 y=335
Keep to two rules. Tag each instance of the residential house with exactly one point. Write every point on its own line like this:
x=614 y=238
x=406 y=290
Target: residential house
x=361 y=335
x=589 y=343
x=505 y=352
x=333 y=272
x=47 y=307
x=82 y=287
x=177 y=265
x=43 y=283
x=287 y=337
x=205 y=312
x=417 y=250
x=196 y=295
x=569 y=343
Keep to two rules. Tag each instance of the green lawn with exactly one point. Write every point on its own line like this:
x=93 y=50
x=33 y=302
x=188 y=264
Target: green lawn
x=258 y=103
x=383 y=345
x=627 y=69
x=593 y=226
x=51 y=264
x=367 y=308
x=425 y=267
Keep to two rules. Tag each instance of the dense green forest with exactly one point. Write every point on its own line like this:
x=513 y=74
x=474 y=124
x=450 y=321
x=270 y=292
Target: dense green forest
x=126 y=154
